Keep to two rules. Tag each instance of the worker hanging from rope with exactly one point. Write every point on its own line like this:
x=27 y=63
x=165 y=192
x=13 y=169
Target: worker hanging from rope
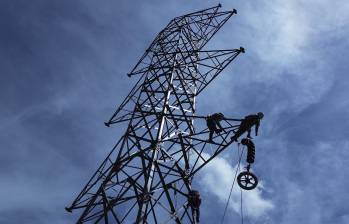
x=194 y=201
x=213 y=124
x=251 y=151
x=247 y=123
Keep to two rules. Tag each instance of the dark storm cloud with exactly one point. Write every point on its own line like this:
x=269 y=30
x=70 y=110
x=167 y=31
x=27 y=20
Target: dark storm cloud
x=48 y=58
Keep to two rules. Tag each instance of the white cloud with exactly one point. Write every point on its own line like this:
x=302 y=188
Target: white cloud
x=282 y=30
x=289 y=44
x=217 y=178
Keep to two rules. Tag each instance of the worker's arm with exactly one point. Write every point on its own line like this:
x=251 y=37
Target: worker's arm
x=219 y=125
x=257 y=126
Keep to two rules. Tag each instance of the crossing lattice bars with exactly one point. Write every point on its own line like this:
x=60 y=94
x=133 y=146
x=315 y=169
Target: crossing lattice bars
x=148 y=174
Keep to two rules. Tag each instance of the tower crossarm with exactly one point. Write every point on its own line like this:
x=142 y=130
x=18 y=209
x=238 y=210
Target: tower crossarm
x=194 y=73
x=196 y=29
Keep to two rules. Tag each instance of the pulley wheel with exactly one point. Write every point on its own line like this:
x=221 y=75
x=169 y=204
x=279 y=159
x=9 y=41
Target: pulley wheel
x=247 y=180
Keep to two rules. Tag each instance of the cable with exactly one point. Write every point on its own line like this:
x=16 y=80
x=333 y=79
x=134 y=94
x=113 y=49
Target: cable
x=232 y=186
x=241 y=210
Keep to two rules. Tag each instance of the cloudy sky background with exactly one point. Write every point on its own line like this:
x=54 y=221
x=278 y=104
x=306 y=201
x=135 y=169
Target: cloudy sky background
x=63 y=70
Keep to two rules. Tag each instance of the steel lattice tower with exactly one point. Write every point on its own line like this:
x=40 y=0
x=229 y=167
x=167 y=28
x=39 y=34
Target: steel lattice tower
x=148 y=174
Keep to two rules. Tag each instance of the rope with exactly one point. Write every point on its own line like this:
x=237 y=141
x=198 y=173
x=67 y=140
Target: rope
x=241 y=211
x=232 y=186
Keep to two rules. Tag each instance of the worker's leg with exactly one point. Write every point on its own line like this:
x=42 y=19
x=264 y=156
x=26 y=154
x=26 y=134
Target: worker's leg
x=239 y=132
x=210 y=136
x=193 y=213
x=215 y=129
x=198 y=215
x=242 y=129
x=219 y=129
x=249 y=133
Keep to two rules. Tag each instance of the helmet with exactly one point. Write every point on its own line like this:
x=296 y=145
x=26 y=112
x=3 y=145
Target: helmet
x=260 y=115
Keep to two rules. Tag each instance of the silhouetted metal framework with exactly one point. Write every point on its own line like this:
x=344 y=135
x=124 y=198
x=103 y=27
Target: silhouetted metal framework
x=147 y=176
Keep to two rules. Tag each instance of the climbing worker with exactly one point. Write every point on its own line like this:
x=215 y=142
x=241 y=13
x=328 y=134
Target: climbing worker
x=251 y=151
x=194 y=201
x=213 y=124
x=246 y=124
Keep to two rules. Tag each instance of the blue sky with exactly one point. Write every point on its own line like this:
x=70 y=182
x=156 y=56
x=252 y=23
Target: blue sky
x=63 y=71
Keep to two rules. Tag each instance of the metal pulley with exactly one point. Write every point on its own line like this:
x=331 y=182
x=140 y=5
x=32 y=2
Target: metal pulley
x=247 y=180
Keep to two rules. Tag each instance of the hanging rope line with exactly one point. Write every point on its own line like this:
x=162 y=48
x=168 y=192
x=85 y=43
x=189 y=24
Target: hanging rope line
x=241 y=210
x=241 y=207
x=232 y=186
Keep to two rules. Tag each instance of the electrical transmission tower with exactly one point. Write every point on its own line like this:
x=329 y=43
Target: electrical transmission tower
x=147 y=176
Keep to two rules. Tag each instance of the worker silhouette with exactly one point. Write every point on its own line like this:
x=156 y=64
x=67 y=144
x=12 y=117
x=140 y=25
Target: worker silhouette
x=194 y=201
x=213 y=124
x=251 y=151
x=246 y=124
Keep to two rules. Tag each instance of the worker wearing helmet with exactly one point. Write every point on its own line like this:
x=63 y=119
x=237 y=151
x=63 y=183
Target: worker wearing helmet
x=213 y=124
x=247 y=123
x=194 y=201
